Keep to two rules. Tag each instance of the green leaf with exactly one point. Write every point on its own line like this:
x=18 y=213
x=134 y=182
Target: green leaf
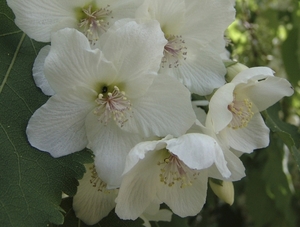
x=289 y=134
x=259 y=205
x=31 y=182
x=290 y=57
x=276 y=182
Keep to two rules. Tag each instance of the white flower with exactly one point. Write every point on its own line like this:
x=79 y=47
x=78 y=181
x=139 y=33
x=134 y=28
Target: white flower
x=194 y=30
x=93 y=201
x=234 y=108
x=108 y=106
x=173 y=171
x=38 y=18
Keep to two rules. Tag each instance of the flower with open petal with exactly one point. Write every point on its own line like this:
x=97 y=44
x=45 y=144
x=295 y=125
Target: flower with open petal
x=192 y=28
x=108 y=104
x=38 y=18
x=234 y=109
x=170 y=170
x=93 y=201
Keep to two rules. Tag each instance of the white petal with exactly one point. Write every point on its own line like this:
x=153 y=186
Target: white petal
x=90 y=204
x=165 y=108
x=170 y=14
x=250 y=73
x=161 y=215
x=201 y=72
x=58 y=127
x=196 y=150
x=234 y=164
x=187 y=201
x=272 y=89
x=200 y=113
x=138 y=188
x=38 y=17
x=140 y=150
x=254 y=136
x=38 y=71
x=218 y=113
x=72 y=62
x=110 y=145
x=212 y=16
x=136 y=51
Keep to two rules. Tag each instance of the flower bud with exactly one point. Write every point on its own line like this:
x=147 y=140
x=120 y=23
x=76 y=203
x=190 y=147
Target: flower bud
x=233 y=70
x=224 y=190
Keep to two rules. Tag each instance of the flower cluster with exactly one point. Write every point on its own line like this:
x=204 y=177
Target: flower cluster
x=120 y=74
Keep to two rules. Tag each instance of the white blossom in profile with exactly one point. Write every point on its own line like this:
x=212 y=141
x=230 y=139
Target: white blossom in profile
x=234 y=109
x=195 y=33
x=108 y=99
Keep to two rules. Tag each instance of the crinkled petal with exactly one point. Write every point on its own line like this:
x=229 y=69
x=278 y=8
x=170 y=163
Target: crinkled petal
x=110 y=145
x=197 y=151
x=165 y=108
x=140 y=150
x=218 y=114
x=58 y=127
x=138 y=188
x=272 y=89
x=136 y=51
x=71 y=62
x=251 y=73
x=89 y=203
x=187 y=201
x=38 y=71
x=254 y=136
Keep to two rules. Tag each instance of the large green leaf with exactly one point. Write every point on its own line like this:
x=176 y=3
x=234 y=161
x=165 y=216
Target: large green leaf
x=31 y=182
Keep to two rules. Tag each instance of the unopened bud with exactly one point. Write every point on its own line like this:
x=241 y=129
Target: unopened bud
x=233 y=70
x=224 y=190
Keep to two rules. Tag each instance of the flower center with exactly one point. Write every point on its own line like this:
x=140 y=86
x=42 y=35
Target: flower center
x=112 y=105
x=97 y=182
x=175 y=171
x=241 y=113
x=174 y=51
x=94 y=22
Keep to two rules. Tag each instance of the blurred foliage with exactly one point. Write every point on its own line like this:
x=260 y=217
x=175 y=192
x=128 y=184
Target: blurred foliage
x=266 y=33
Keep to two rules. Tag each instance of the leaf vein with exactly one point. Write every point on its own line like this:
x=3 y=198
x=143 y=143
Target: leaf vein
x=12 y=62
x=20 y=98
x=10 y=33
